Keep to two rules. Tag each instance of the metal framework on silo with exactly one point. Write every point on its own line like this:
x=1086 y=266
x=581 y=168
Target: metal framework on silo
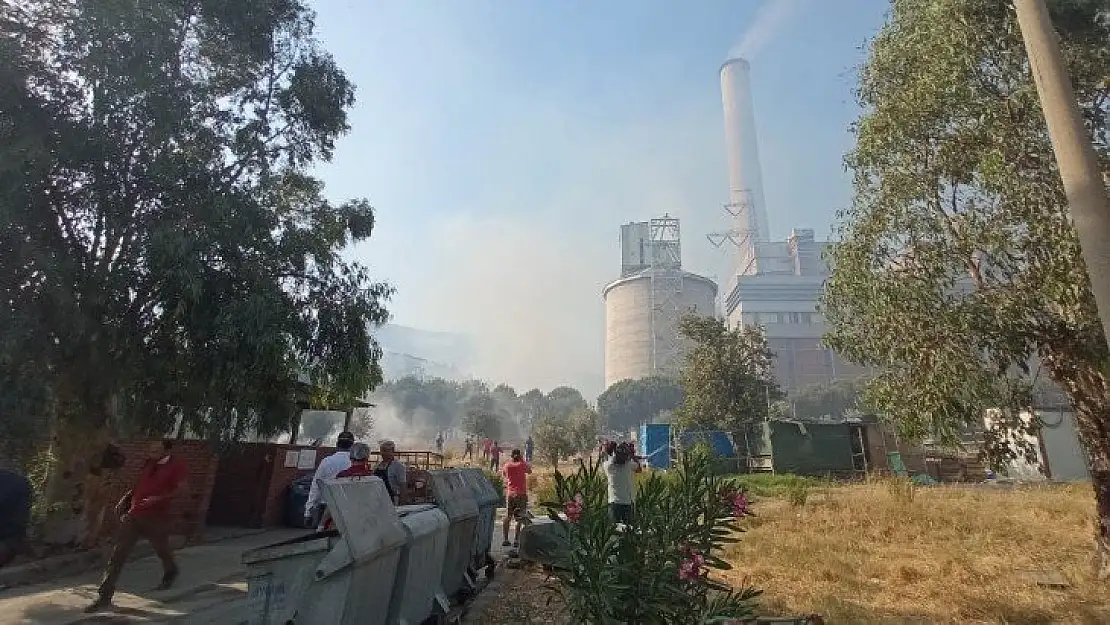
x=666 y=290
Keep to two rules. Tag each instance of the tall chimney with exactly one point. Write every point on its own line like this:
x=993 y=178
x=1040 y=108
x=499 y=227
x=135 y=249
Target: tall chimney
x=745 y=177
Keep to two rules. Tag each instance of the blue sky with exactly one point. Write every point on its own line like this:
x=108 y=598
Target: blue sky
x=503 y=142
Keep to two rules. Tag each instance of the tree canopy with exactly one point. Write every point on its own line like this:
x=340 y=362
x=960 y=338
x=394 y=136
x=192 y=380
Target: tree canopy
x=728 y=378
x=627 y=403
x=165 y=252
x=958 y=271
x=829 y=399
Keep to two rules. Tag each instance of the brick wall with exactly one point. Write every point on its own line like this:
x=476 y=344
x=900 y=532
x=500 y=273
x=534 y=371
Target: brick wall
x=190 y=507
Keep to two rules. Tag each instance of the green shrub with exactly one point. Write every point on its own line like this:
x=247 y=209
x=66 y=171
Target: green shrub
x=779 y=485
x=541 y=487
x=498 y=484
x=656 y=573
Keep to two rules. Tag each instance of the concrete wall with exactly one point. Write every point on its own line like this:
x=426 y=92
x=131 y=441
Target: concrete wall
x=628 y=325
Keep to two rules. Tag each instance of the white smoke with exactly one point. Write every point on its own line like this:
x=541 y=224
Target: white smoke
x=769 y=20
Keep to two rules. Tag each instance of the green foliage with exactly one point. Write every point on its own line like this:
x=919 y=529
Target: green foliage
x=647 y=575
x=498 y=482
x=626 y=404
x=797 y=493
x=833 y=399
x=727 y=379
x=778 y=485
x=482 y=424
x=554 y=439
x=562 y=402
x=584 y=425
x=958 y=270
x=164 y=250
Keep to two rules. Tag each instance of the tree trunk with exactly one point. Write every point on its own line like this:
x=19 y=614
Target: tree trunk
x=1100 y=479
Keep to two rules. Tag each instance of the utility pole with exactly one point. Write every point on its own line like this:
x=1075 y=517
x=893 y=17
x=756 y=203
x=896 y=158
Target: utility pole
x=1075 y=153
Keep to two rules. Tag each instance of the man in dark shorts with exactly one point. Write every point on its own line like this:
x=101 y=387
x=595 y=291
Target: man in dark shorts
x=15 y=513
x=515 y=472
x=146 y=513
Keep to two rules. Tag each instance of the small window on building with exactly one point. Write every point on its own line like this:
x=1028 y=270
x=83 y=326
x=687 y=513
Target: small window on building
x=795 y=318
x=807 y=318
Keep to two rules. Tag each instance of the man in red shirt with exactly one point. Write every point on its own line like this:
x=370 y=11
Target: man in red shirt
x=145 y=513
x=515 y=472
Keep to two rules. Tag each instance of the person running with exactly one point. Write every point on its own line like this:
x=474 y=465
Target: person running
x=145 y=512
x=468 y=449
x=515 y=472
x=327 y=469
x=528 y=447
x=15 y=513
x=618 y=471
x=392 y=471
x=495 y=457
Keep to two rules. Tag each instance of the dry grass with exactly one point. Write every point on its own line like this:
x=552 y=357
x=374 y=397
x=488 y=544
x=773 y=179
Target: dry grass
x=888 y=553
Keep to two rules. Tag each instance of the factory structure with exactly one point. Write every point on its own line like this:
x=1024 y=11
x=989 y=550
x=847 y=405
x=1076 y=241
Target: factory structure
x=775 y=284
x=643 y=307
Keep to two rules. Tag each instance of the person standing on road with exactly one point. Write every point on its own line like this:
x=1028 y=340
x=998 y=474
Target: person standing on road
x=15 y=513
x=145 y=512
x=495 y=457
x=528 y=447
x=468 y=449
x=327 y=470
x=515 y=472
x=619 y=472
x=439 y=443
x=392 y=471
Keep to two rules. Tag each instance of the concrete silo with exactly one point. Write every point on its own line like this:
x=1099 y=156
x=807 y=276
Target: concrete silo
x=644 y=306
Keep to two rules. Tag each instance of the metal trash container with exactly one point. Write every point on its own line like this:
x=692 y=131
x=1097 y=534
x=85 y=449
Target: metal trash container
x=331 y=578
x=485 y=495
x=418 y=589
x=452 y=495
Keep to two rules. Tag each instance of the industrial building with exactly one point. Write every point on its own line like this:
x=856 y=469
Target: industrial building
x=643 y=307
x=776 y=284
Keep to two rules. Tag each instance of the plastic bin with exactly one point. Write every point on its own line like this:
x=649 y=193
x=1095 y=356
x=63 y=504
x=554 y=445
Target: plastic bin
x=418 y=589
x=296 y=496
x=331 y=578
x=452 y=495
x=485 y=495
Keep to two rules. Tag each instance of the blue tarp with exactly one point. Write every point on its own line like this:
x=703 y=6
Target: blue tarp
x=655 y=443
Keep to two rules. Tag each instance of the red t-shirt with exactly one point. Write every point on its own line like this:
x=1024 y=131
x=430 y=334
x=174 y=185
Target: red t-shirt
x=516 y=477
x=157 y=479
x=356 y=470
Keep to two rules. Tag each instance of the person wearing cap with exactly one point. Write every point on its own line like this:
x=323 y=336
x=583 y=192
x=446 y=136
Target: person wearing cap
x=360 y=467
x=392 y=471
x=360 y=462
x=328 y=468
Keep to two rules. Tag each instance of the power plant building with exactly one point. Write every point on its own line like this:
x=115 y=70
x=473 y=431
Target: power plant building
x=643 y=307
x=775 y=284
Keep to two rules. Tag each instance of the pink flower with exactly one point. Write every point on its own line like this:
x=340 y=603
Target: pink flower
x=573 y=508
x=740 y=505
x=690 y=568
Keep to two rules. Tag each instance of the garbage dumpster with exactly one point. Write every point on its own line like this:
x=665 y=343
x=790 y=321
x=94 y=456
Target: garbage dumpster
x=338 y=577
x=296 y=496
x=418 y=589
x=452 y=495
x=485 y=495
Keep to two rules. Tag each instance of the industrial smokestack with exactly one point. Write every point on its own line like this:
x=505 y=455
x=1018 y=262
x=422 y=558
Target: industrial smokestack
x=745 y=177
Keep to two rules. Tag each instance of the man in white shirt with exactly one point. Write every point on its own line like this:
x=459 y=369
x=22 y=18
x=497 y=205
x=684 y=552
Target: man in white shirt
x=327 y=470
x=619 y=472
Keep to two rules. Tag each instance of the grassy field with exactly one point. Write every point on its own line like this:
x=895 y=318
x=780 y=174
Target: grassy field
x=889 y=553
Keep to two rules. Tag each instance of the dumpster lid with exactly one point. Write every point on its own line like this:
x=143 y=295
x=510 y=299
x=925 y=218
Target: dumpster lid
x=481 y=487
x=403 y=511
x=362 y=511
x=452 y=492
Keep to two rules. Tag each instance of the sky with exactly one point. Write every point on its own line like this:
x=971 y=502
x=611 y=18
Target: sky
x=504 y=142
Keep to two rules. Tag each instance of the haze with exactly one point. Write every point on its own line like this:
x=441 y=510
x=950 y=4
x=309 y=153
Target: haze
x=503 y=144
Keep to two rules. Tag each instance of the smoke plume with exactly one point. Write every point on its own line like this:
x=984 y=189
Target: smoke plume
x=769 y=20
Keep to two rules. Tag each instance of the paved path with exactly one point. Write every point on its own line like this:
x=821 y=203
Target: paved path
x=211 y=590
x=208 y=573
